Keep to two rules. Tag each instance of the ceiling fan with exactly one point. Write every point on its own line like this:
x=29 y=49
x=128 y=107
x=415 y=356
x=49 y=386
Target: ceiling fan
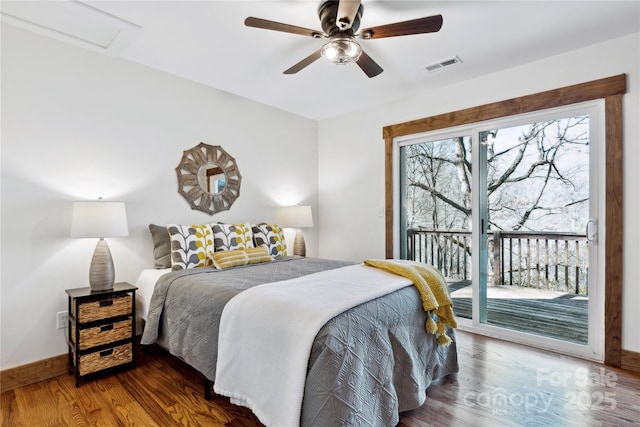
x=340 y=21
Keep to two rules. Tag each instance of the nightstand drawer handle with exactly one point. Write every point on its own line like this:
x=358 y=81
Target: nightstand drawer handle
x=106 y=328
x=106 y=303
x=106 y=353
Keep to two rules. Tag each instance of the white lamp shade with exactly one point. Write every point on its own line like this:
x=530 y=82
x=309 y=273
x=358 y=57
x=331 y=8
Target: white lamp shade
x=99 y=219
x=297 y=217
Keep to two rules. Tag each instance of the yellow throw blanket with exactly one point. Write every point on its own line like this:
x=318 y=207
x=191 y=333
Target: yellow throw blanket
x=433 y=290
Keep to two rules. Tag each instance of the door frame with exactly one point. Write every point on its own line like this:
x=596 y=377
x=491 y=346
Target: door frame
x=609 y=89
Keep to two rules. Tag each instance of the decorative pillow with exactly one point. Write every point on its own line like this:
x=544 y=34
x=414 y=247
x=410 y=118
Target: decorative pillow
x=226 y=259
x=258 y=255
x=191 y=246
x=270 y=236
x=161 y=246
x=227 y=237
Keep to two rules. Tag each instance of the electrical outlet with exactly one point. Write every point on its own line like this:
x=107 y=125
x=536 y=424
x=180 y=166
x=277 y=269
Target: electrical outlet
x=62 y=317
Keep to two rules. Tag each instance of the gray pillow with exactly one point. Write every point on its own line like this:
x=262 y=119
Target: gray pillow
x=161 y=246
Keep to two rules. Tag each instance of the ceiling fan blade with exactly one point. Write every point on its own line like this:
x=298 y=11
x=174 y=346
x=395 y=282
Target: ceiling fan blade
x=278 y=26
x=347 y=10
x=306 y=61
x=430 y=24
x=368 y=65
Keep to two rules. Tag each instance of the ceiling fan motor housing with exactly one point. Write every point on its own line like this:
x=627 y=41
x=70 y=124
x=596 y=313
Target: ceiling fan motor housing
x=328 y=11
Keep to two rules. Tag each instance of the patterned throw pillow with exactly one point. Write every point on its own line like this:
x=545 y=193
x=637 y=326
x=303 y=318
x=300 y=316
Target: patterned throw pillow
x=258 y=255
x=226 y=259
x=191 y=246
x=227 y=237
x=270 y=236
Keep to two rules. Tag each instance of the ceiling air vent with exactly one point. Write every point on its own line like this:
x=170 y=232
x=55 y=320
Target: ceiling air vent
x=442 y=64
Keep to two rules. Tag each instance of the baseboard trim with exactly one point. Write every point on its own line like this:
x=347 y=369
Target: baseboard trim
x=33 y=372
x=630 y=361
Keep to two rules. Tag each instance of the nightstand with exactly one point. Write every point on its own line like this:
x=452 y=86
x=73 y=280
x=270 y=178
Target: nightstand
x=102 y=332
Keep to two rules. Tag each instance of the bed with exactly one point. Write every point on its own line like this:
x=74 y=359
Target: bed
x=365 y=365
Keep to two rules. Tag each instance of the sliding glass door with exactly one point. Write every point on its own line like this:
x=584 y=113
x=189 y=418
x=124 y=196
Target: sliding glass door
x=508 y=212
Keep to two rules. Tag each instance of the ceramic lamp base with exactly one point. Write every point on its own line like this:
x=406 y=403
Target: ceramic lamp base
x=101 y=272
x=299 y=247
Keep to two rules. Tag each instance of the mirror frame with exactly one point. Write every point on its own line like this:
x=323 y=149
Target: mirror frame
x=190 y=188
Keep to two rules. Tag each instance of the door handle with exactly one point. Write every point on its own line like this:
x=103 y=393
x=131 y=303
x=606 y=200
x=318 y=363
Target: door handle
x=591 y=231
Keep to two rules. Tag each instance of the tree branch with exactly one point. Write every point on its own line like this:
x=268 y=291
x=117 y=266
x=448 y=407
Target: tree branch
x=442 y=197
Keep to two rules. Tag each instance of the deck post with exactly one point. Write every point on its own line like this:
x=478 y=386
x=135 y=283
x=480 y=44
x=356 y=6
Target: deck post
x=498 y=264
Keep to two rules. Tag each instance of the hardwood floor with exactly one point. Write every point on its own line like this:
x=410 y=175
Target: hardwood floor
x=499 y=384
x=506 y=384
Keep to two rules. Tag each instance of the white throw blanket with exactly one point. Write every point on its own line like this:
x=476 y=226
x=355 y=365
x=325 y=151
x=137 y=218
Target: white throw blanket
x=266 y=335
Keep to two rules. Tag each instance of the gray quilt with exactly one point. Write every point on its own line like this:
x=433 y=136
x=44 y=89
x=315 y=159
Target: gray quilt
x=366 y=365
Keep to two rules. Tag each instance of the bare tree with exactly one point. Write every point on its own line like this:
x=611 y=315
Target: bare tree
x=526 y=173
x=435 y=166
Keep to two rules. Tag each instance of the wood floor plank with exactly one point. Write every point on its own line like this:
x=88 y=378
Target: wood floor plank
x=499 y=384
x=63 y=389
x=36 y=400
x=100 y=408
x=128 y=410
x=10 y=411
x=147 y=395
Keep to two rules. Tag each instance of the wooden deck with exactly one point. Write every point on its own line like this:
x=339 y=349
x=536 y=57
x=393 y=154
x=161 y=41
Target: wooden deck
x=551 y=314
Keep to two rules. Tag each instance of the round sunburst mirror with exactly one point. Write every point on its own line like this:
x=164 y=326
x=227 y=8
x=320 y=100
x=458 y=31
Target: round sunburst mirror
x=208 y=178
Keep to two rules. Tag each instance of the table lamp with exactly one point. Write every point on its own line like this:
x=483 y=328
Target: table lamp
x=297 y=217
x=100 y=219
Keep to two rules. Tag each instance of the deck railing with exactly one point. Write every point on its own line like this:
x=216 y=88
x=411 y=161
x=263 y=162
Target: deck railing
x=542 y=260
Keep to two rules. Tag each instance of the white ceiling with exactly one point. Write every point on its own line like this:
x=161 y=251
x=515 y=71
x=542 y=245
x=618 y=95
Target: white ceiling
x=207 y=42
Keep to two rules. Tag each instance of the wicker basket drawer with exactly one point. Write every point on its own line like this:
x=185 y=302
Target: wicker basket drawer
x=103 y=334
x=116 y=305
x=105 y=359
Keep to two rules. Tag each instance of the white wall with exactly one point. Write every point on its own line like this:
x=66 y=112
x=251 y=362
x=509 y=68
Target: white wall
x=351 y=154
x=78 y=125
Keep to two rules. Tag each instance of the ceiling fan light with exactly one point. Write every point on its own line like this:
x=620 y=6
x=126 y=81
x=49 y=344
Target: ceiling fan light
x=341 y=50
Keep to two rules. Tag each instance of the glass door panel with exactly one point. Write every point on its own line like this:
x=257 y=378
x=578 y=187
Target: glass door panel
x=536 y=216
x=435 y=211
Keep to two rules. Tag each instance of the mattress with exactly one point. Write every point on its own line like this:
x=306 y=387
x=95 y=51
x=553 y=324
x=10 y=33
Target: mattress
x=146 y=283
